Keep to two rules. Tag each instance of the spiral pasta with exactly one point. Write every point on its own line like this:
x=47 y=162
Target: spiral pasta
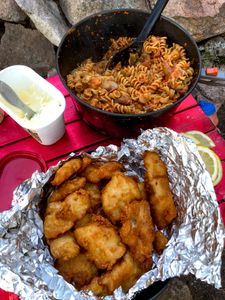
x=159 y=77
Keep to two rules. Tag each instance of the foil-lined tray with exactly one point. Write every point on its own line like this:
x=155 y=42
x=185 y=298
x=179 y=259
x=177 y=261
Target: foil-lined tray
x=196 y=236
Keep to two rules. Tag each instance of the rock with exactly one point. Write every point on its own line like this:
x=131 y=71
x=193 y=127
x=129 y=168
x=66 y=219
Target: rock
x=77 y=10
x=2 y=29
x=214 y=50
x=201 y=290
x=213 y=55
x=202 y=18
x=211 y=93
x=29 y=47
x=221 y=117
x=214 y=44
x=10 y=11
x=46 y=17
x=176 y=290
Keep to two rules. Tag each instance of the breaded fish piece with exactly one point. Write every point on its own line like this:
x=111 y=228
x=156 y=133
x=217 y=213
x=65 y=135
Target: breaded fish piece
x=75 y=206
x=101 y=241
x=124 y=273
x=161 y=201
x=78 y=270
x=117 y=194
x=137 y=232
x=86 y=161
x=95 y=195
x=160 y=242
x=54 y=226
x=64 y=246
x=95 y=172
x=83 y=221
x=96 y=287
x=67 y=188
x=66 y=170
x=142 y=189
x=154 y=166
x=52 y=208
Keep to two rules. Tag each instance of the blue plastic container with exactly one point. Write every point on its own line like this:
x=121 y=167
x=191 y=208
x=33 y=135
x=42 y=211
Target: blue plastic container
x=209 y=109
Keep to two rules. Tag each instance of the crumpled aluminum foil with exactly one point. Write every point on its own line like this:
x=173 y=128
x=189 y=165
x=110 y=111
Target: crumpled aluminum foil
x=196 y=236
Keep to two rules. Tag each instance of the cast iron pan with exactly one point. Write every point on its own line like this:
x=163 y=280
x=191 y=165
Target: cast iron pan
x=90 y=38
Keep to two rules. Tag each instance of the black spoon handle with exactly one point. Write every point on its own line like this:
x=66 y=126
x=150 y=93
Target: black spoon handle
x=152 y=19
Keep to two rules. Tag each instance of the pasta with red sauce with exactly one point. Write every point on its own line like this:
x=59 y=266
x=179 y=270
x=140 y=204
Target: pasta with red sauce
x=159 y=77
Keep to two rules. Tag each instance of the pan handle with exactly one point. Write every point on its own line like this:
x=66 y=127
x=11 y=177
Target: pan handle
x=218 y=80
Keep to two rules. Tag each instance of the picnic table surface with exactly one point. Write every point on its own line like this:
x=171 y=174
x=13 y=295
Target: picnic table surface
x=79 y=137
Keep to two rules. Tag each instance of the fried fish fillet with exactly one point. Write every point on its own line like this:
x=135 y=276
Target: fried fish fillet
x=54 y=226
x=101 y=241
x=162 y=205
x=83 y=221
x=52 y=208
x=160 y=242
x=117 y=194
x=75 y=206
x=142 y=189
x=64 y=246
x=95 y=195
x=67 y=188
x=78 y=270
x=137 y=232
x=95 y=172
x=96 y=287
x=86 y=161
x=154 y=166
x=66 y=170
x=124 y=273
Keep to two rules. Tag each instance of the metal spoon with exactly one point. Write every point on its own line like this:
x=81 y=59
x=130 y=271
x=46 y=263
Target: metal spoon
x=123 y=55
x=8 y=93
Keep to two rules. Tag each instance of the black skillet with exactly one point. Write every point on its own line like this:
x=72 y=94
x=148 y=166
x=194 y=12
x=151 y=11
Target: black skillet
x=91 y=38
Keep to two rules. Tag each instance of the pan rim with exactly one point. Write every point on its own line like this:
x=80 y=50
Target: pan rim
x=119 y=115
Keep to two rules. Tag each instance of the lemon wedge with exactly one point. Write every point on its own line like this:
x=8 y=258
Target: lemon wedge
x=200 y=138
x=220 y=171
x=192 y=138
x=212 y=163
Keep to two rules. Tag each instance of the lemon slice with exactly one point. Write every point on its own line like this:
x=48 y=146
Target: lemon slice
x=210 y=160
x=220 y=171
x=201 y=137
x=192 y=138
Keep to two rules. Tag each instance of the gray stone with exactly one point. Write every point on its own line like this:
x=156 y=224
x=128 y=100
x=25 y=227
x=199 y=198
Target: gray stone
x=10 y=11
x=221 y=125
x=215 y=46
x=46 y=17
x=201 y=290
x=213 y=55
x=176 y=290
x=29 y=47
x=77 y=10
x=212 y=93
x=202 y=18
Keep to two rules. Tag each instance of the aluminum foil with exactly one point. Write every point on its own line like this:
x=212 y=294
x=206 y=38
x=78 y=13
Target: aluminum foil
x=196 y=236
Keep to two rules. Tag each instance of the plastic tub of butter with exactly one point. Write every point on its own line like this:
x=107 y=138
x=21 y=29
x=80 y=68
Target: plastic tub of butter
x=47 y=126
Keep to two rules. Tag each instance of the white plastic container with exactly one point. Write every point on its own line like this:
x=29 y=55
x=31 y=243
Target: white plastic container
x=47 y=126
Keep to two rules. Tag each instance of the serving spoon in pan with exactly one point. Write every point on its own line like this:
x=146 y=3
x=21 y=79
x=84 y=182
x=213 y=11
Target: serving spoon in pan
x=123 y=55
x=9 y=95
